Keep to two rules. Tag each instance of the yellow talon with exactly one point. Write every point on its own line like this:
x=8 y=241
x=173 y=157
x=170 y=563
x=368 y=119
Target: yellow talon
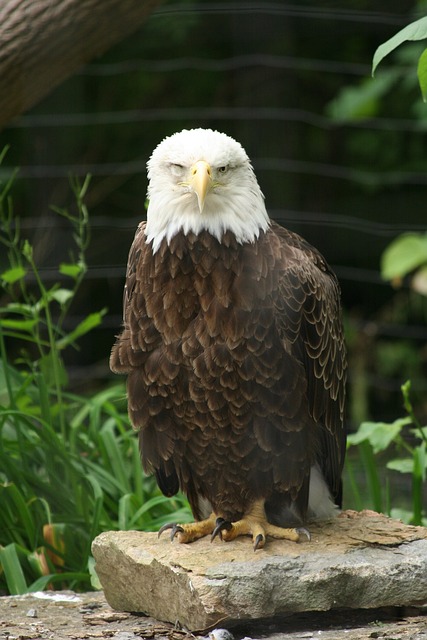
x=253 y=523
x=190 y=531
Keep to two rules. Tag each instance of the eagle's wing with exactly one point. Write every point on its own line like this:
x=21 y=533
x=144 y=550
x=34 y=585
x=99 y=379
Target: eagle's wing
x=308 y=317
x=122 y=358
x=137 y=247
x=139 y=336
x=134 y=345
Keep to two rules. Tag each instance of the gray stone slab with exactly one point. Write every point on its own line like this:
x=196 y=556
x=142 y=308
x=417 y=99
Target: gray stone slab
x=359 y=560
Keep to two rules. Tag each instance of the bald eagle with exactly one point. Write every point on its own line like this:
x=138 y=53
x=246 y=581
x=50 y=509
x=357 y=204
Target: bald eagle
x=233 y=349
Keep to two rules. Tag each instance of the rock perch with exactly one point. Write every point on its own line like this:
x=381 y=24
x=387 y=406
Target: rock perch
x=359 y=560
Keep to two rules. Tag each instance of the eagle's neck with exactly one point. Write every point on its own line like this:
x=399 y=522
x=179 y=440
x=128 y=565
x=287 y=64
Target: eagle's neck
x=203 y=245
x=241 y=213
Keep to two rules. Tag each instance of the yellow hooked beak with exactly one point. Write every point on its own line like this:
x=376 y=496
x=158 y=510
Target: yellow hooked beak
x=201 y=181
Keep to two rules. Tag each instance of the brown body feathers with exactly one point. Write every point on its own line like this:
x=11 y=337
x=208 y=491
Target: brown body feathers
x=235 y=360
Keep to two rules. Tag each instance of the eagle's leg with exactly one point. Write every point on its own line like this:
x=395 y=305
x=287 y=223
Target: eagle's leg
x=191 y=531
x=255 y=523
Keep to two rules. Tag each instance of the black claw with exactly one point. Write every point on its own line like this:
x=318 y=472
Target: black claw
x=302 y=531
x=219 y=526
x=259 y=542
x=169 y=525
x=175 y=528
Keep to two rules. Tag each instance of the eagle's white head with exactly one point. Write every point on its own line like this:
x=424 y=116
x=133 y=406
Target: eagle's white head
x=199 y=180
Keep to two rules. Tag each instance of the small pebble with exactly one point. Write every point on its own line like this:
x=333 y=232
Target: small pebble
x=32 y=613
x=221 y=634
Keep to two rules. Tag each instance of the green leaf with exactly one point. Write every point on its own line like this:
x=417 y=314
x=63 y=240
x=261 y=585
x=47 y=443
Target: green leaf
x=415 y=31
x=3 y=152
x=20 y=308
x=379 y=434
x=27 y=250
x=117 y=463
x=97 y=506
x=403 y=255
x=18 y=325
x=53 y=370
x=94 y=580
x=420 y=432
x=13 y=275
x=418 y=478
x=13 y=572
x=13 y=496
x=71 y=270
x=146 y=507
x=90 y=322
x=420 y=461
x=62 y=295
x=39 y=562
x=124 y=512
x=402 y=465
x=422 y=74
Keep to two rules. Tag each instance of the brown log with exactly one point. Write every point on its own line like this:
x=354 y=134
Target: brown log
x=45 y=41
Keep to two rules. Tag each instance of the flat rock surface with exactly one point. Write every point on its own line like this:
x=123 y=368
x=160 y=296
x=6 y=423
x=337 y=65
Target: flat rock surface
x=358 y=561
x=87 y=616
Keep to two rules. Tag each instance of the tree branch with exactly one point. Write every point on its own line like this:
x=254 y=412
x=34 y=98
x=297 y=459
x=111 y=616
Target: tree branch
x=45 y=41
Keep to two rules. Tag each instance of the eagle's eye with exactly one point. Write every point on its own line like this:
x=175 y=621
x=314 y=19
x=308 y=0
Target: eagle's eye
x=222 y=169
x=176 y=169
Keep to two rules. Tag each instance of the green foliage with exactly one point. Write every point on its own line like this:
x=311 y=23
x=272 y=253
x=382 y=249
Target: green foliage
x=404 y=438
x=361 y=101
x=69 y=464
x=406 y=254
x=415 y=31
x=422 y=74
x=379 y=442
x=388 y=94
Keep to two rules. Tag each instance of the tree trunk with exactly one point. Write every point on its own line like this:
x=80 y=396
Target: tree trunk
x=45 y=41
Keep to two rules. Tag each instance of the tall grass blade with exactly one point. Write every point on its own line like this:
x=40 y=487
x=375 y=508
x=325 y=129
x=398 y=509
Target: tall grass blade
x=96 y=510
x=373 y=478
x=114 y=457
x=12 y=569
x=17 y=503
x=354 y=485
x=418 y=478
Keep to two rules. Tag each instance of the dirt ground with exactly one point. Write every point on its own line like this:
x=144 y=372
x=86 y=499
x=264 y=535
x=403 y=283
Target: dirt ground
x=87 y=616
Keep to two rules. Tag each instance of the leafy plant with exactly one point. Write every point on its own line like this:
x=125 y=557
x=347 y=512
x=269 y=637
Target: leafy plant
x=366 y=99
x=405 y=439
x=69 y=464
x=406 y=257
x=415 y=31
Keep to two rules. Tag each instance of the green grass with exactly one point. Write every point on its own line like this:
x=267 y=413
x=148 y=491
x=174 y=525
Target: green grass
x=74 y=486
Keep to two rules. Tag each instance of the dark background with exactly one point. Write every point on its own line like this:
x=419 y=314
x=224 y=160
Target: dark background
x=341 y=159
